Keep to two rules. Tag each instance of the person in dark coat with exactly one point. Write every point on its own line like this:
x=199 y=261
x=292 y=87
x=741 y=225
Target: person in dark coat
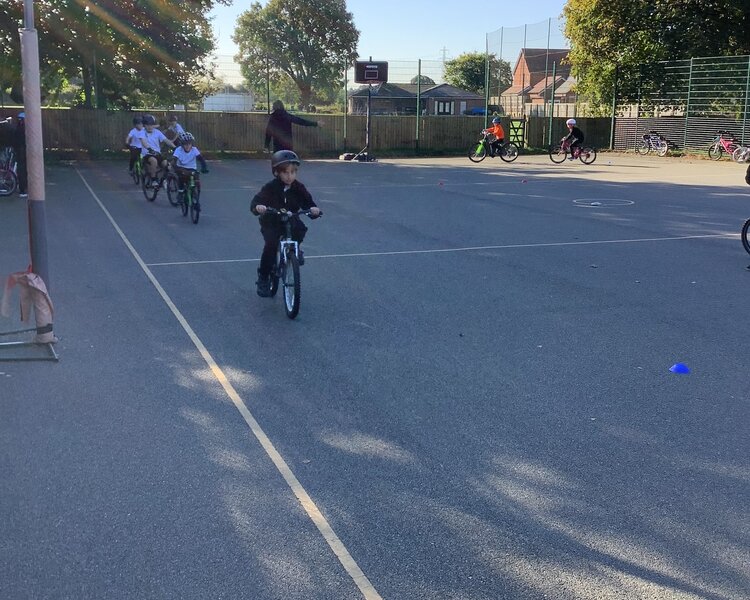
x=19 y=148
x=279 y=128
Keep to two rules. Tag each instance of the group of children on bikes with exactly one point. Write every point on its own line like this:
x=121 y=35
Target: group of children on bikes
x=574 y=139
x=145 y=141
x=283 y=192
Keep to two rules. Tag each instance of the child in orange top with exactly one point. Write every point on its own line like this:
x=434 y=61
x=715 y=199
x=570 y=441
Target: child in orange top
x=499 y=133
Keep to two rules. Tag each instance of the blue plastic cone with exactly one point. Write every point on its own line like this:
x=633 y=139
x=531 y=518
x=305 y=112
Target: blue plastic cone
x=680 y=368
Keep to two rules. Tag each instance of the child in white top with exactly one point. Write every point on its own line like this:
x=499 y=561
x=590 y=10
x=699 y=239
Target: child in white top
x=134 y=141
x=151 y=152
x=175 y=130
x=186 y=158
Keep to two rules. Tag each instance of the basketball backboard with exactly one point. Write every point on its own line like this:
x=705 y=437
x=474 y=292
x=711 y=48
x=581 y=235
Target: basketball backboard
x=370 y=72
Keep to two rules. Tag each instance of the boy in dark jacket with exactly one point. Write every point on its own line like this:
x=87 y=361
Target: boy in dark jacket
x=279 y=128
x=283 y=191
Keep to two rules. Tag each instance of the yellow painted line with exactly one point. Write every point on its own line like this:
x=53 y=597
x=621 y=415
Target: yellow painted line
x=313 y=512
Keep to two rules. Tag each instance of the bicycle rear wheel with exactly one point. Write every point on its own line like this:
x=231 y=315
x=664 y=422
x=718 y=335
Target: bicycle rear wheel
x=587 y=155
x=291 y=284
x=478 y=153
x=172 y=187
x=8 y=182
x=557 y=154
x=643 y=148
x=509 y=152
x=746 y=236
x=715 y=151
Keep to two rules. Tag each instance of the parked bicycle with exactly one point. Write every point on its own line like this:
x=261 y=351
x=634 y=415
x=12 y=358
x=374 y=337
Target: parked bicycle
x=741 y=154
x=725 y=141
x=745 y=236
x=508 y=151
x=559 y=152
x=653 y=141
x=189 y=199
x=8 y=166
x=286 y=268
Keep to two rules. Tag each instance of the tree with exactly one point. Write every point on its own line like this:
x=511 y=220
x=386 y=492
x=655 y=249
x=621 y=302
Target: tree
x=468 y=72
x=119 y=50
x=309 y=42
x=626 y=34
x=423 y=79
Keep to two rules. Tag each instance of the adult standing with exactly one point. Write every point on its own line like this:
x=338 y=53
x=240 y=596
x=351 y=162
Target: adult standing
x=279 y=128
x=18 y=141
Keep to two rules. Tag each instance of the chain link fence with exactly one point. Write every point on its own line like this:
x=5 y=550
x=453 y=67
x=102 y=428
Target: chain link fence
x=687 y=101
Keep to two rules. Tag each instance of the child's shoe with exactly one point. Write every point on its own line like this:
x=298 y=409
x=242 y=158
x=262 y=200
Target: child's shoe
x=263 y=286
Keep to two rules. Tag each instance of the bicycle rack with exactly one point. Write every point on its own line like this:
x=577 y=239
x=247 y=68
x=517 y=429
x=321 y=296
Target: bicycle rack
x=50 y=355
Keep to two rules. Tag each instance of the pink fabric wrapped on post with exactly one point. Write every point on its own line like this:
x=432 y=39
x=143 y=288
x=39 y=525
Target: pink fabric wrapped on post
x=34 y=294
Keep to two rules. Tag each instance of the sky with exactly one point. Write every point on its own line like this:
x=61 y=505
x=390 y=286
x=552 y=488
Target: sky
x=393 y=30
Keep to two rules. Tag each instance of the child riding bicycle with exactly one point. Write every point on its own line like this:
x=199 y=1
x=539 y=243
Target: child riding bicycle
x=284 y=191
x=574 y=139
x=499 y=133
x=187 y=157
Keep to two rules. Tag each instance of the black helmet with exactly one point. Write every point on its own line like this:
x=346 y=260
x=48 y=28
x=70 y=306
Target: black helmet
x=496 y=120
x=137 y=121
x=149 y=120
x=283 y=157
x=186 y=137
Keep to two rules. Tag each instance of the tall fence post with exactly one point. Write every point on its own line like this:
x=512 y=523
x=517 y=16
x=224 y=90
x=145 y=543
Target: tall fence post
x=687 y=106
x=546 y=65
x=346 y=101
x=552 y=102
x=486 y=78
x=747 y=101
x=614 y=111
x=419 y=102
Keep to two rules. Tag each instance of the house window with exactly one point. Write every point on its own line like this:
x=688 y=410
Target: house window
x=444 y=108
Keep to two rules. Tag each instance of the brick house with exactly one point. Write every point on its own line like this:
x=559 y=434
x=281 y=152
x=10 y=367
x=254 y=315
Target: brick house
x=532 y=80
x=401 y=99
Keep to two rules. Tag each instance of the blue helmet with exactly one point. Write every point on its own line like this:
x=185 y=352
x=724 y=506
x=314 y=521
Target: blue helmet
x=22 y=115
x=496 y=120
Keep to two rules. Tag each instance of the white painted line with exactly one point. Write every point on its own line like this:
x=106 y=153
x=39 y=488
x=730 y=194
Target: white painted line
x=346 y=559
x=467 y=249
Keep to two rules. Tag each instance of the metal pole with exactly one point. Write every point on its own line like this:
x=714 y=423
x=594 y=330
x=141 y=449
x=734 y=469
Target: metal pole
x=747 y=101
x=419 y=101
x=367 y=128
x=687 y=107
x=614 y=110
x=501 y=58
x=34 y=145
x=268 y=85
x=552 y=102
x=546 y=65
x=486 y=79
x=346 y=100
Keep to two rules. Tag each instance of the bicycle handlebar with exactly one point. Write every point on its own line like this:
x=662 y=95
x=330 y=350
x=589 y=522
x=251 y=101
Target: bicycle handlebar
x=283 y=211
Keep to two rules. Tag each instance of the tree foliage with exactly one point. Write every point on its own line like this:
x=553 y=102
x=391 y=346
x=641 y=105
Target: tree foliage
x=627 y=34
x=468 y=72
x=423 y=79
x=126 y=50
x=308 y=42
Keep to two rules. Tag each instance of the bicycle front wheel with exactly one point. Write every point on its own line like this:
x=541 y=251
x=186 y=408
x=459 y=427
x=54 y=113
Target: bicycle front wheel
x=509 y=152
x=195 y=205
x=557 y=154
x=172 y=187
x=662 y=148
x=8 y=182
x=715 y=151
x=587 y=155
x=149 y=191
x=291 y=284
x=478 y=153
x=746 y=236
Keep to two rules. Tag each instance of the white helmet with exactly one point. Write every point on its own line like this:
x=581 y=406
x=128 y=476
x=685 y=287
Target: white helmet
x=570 y=122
